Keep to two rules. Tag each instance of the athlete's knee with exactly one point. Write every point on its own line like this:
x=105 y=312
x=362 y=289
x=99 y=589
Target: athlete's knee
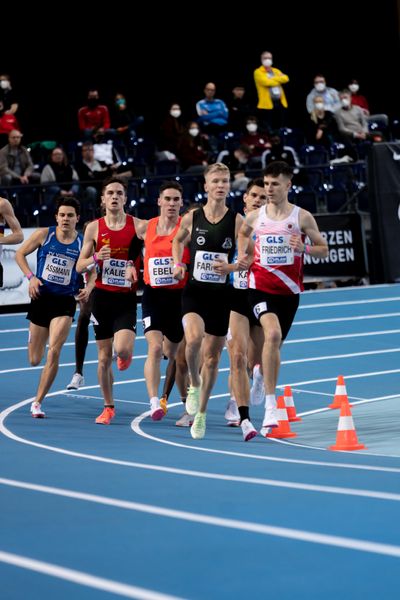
x=238 y=358
x=273 y=336
x=155 y=350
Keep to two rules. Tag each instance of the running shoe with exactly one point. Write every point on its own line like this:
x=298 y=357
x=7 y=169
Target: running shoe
x=248 y=430
x=257 y=392
x=36 y=410
x=106 y=416
x=123 y=363
x=156 y=412
x=164 y=403
x=193 y=399
x=185 y=420
x=198 y=429
x=270 y=420
x=76 y=382
x=232 y=414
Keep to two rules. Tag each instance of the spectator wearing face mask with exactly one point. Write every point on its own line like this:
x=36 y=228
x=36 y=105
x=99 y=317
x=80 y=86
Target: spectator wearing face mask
x=351 y=120
x=322 y=129
x=357 y=99
x=330 y=95
x=94 y=118
x=253 y=139
x=272 y=102
x=193 y=150
x=7 y=95
x=124 y=122
x=171 y=130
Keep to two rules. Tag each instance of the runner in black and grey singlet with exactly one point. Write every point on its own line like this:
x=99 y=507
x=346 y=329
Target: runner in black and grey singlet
x=210 y=233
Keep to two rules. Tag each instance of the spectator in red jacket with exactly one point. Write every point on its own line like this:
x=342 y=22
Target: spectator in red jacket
x=94 y=118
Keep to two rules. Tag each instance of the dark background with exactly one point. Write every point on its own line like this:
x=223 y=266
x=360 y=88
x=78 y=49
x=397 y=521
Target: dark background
x=52 y=67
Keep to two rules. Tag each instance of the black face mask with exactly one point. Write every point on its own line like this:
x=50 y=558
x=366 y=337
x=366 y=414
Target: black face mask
x=92 y=102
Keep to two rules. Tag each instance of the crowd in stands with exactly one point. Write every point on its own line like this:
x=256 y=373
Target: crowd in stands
x=337 y=132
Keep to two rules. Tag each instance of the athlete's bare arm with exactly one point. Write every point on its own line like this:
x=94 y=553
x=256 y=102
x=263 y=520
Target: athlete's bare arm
x=32 y=243
x=16 y=236
x=178 y=245
x=308 y=224
x=87 y=256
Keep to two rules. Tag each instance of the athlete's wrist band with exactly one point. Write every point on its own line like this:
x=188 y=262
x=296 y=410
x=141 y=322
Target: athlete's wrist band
x=179 y=265
x=29 y=275
x=129 y=263
x=96 y=260
x=306 y=249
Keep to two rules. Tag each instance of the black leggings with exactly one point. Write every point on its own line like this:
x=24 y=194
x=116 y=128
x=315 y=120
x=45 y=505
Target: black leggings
x=82 y=333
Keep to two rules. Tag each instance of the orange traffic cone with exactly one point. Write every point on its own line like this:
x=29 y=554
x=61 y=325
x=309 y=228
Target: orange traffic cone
x=283 y=430
x=289 y=403
x=340 y=394
x=346 y=437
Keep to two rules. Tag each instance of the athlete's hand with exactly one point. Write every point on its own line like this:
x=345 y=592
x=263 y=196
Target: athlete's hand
x=131 y=274
x=179 y=272
x=296 y=243
x=83 y=295
x=221 y=267
x=34 y=287
x=243 y=262
x=104 y=253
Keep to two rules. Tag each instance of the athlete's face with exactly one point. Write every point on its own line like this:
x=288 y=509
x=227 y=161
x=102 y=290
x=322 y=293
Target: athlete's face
x=114 y=197
x=254 y=198
x=276 y=188
x=217 y=185
x=67 y=218
x=170 y=203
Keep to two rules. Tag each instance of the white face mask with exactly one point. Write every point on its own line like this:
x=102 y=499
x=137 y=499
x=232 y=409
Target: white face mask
x=251 y=127
x=194 y=131
x=267 y=62
x=319 y=106
x=5 y=84
x=320 y=87
x=175 y=113
x=354 y=87
x=345 y=102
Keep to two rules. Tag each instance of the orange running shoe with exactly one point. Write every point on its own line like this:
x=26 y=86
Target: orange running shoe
x=123 y=363
x=164 y=403
x=106 y=416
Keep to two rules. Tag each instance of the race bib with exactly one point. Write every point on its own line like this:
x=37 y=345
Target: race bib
x=113 y=273
x=160 y=271
x=275 y=250
x=58 y=269
x=203 y=267
x=240 y=280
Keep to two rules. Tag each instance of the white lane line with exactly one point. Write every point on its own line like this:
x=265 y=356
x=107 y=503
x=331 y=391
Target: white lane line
x=296 y=322
x=270 y=530
x=350 y=302
x=136 y=428
x=354 y=318
x=81 y=578
x=342 y=336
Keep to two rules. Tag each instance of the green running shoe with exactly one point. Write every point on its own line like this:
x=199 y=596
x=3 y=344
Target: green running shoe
x=198 y=429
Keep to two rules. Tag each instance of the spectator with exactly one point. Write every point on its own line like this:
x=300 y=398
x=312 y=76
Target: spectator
x=171 y=132
x=94 y=117
x=357 y=99
x=323 y=127
x=61 y=175
x=239 y=109
x=7 y=95
x=272 y=101
x=256 y=141
x=330 y=95
x=16 y=166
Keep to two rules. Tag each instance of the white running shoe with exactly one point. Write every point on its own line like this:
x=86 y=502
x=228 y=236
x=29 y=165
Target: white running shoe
x=156 y=412
x=232 y=413
x=270 y=420
x=185 y=420
x=76 y=382
x=36 y=410
x=257 y=392
x=248 y=430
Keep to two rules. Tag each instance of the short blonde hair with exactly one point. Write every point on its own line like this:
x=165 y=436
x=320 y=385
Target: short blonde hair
x=216 y=167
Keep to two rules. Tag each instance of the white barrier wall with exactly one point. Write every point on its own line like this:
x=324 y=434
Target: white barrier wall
x=15 y=285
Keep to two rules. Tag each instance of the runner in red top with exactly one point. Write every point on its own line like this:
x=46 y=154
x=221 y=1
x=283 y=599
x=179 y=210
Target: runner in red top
x=276 y=274
x=113 y=243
